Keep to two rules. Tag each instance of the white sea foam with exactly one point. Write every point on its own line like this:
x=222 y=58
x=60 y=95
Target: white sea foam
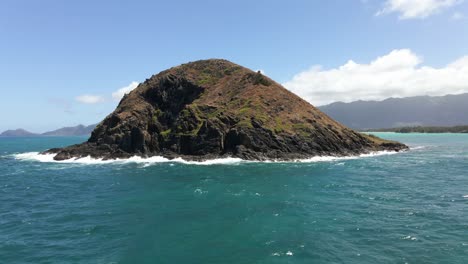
x=418 y=147
x=36 y=156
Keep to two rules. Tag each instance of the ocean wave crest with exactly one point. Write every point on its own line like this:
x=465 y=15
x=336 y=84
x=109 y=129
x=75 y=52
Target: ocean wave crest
x=36 y=156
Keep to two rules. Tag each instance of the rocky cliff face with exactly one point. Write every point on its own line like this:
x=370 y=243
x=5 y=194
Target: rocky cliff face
x=212 y=108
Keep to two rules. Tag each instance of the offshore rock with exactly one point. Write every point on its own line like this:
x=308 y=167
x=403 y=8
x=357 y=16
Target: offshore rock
x=214 y=108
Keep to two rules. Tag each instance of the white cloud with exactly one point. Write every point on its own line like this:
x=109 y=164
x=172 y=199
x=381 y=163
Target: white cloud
x=90 y=99
x=409 y=9
x=458 y=16
x=117 y=95
x=397 y=74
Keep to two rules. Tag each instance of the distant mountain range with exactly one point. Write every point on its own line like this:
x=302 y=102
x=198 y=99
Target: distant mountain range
x=449 y=110
x=79 y=130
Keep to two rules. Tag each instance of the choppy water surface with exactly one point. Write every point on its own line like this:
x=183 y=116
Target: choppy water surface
x=404 y=208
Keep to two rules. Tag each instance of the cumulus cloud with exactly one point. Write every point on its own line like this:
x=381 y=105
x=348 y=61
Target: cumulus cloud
x=90 y=99
x=409 y=9
x=117 y=95
x=457 y=16
x=400 y=73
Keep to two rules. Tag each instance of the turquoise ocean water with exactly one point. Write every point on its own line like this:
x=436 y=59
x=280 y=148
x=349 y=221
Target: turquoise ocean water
x=404 y=208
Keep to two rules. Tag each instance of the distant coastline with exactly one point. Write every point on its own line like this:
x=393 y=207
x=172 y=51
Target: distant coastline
x=423 y=129
x=79 y=130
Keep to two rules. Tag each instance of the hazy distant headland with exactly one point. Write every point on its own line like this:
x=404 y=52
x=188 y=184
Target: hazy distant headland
x=79 y=130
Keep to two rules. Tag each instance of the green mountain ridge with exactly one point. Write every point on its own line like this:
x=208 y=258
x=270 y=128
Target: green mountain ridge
x=448 y=110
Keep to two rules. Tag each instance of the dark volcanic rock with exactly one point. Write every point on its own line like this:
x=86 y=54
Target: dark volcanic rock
x=213 y=108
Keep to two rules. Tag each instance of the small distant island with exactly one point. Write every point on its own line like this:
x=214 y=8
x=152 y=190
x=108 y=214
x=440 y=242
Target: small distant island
x=79 y=130
x=423 y=129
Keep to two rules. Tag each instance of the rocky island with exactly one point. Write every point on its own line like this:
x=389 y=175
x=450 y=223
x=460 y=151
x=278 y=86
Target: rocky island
x=214 y=108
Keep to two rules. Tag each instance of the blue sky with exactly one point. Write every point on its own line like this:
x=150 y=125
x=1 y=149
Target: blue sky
x=53 y=52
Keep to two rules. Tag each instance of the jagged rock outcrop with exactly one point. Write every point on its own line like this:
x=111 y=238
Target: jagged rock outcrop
x=213 y=108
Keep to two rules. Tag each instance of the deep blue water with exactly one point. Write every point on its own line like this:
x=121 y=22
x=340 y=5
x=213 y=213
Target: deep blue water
x=403 y=208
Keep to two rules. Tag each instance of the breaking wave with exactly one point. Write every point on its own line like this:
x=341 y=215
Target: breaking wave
x=36 y=156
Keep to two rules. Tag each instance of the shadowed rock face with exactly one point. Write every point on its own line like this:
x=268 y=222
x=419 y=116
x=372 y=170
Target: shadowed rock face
x=213 y=108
